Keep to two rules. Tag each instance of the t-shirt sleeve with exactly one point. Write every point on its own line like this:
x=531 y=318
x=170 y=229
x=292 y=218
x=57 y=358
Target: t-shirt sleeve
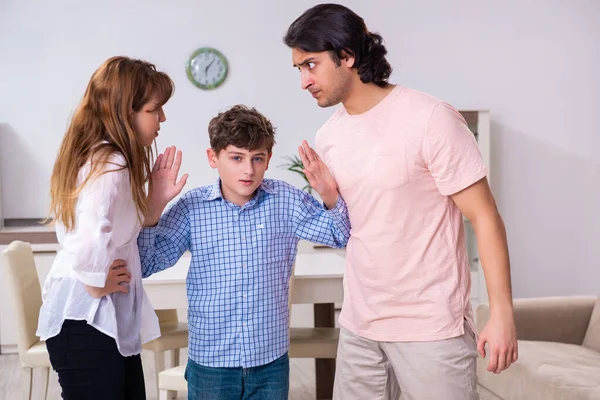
x=451 y=151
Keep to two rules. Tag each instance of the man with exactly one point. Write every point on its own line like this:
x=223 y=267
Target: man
x=408 y=168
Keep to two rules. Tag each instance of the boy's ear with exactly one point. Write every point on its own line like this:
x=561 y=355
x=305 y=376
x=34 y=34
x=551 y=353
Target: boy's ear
x=212 y=158
x=268 y=160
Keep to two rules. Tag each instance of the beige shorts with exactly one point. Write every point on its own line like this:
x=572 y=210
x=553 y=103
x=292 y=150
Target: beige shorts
x=436 y=370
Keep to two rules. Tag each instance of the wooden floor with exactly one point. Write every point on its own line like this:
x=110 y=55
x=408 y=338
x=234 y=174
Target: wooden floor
x=302 y=379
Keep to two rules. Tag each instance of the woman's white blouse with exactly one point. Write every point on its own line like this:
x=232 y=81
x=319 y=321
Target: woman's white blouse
x=106 y=229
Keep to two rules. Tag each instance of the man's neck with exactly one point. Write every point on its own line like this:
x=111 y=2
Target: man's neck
x=365 y=96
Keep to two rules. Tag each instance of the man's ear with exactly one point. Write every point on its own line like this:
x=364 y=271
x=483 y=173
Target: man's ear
x=212 y=158
x=347 y=59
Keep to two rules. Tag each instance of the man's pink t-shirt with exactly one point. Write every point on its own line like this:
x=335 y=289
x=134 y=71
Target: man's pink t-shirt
x=407 y=273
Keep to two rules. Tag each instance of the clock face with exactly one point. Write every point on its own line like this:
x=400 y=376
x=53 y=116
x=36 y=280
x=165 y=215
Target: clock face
x=207 y=68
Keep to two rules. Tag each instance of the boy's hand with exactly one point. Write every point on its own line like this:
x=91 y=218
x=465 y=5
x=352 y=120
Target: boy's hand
x=164 y=184
x=318 y=175
x=117 y=274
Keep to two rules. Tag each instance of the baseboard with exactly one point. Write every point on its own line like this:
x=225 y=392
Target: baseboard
x=9 y=349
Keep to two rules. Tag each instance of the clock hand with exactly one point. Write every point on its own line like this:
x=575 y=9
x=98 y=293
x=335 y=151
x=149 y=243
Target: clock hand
x=208 y=66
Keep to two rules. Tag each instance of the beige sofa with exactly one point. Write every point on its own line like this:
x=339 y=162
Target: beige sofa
x=559 y=352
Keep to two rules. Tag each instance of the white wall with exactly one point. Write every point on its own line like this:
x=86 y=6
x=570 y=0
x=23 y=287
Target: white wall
x=534 y=63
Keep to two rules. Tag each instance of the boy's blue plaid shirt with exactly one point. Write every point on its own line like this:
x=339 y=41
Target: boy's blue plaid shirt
x=242 y=258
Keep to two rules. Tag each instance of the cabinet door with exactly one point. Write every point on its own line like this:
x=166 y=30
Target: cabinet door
x=478 y=122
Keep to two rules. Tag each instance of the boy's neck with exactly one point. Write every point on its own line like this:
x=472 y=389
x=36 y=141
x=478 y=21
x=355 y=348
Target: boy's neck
x=365 y=96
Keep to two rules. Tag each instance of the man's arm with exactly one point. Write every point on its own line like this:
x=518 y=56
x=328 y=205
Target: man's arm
x=477 y=204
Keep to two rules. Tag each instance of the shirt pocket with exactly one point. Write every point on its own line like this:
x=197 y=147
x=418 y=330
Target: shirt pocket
x=272 y=238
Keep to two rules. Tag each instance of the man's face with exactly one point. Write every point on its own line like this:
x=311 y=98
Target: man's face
x=327 y=82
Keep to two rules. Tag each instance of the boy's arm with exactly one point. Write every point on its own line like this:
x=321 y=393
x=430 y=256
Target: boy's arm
x=161 y=246
x=330 y=226
x=312 y=222
x=318 y=175
x=164 y=186
x=164 y=238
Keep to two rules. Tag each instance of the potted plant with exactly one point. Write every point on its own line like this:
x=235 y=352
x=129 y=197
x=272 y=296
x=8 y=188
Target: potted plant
x=294 y=164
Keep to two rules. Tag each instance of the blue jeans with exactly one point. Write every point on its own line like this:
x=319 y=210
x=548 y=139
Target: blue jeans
x=266 y=382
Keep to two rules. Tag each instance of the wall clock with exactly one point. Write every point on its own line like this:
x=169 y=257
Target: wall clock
x=207 y=68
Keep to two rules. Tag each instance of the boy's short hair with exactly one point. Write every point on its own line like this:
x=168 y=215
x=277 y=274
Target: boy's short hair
x=242 y=127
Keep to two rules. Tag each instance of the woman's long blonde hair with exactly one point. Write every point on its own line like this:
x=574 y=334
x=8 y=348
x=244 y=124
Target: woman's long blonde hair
x=103 y=125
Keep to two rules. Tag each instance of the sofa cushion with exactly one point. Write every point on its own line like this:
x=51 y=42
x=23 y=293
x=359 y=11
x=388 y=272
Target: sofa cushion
x=546 y=371
x=592 y=336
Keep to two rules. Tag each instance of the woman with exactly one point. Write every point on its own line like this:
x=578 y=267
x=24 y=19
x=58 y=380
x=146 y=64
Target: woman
x=95 y=314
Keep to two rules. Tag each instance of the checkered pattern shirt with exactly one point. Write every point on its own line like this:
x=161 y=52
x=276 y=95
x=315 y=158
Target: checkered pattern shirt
x=242 y=257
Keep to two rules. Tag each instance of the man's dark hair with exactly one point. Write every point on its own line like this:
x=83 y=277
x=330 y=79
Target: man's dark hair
x=242 y=127
x=337 y=29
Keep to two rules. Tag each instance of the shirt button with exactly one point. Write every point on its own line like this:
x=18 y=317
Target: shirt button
x=244 y=266
x=243 y=324
x=244 y=295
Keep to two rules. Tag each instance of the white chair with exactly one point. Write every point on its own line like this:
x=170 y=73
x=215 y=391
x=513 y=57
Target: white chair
x=174 y=336
x=26 y=295
x=170 y=381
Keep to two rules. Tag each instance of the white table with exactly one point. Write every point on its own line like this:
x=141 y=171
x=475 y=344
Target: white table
x=317 y=280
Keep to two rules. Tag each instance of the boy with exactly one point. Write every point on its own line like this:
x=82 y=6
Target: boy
x=243 y=233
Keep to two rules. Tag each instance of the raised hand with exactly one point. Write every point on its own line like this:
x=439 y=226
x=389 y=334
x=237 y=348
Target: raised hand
x=318 y=175
x=164 y=183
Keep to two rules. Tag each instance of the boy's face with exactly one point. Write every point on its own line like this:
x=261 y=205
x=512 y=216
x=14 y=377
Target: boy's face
x=241 y=171
x=327 y=82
